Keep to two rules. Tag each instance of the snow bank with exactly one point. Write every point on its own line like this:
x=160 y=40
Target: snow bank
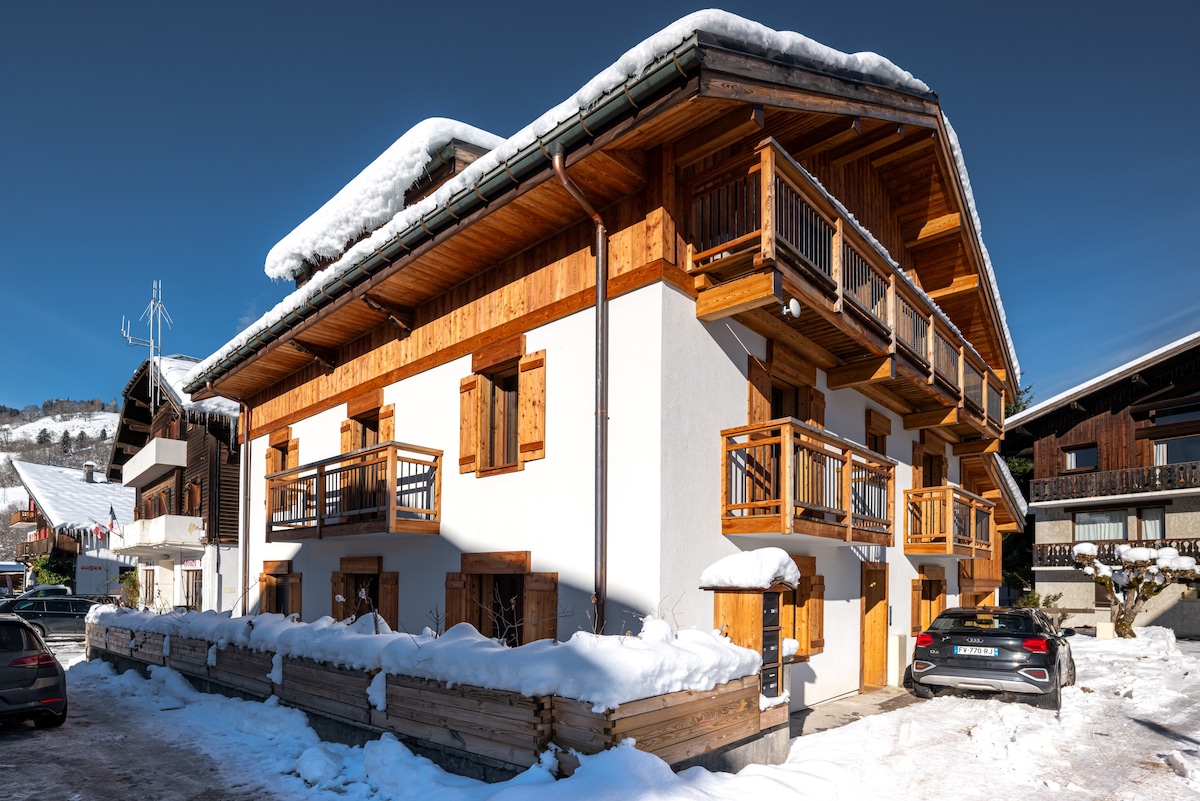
x=751 y=570
x=602 y=670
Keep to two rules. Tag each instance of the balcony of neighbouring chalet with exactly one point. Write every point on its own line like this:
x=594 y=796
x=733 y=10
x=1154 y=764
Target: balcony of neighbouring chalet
x=22 y=522
x=46 y=545
x=1060 y=554
x=162 y=537
x=1134 y=480
x=765 y=232
x=392 y=487
x=158 y=457
x=786 y=477
x=947 y=521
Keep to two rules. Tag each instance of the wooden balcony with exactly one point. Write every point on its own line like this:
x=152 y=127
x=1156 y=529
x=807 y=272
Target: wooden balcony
x=947 y=521
x=24 y=517
x=785 y=477
x=765 y=231
x=45 y=545
x=1059 y=554
x=393 y=487
x=1156 y=478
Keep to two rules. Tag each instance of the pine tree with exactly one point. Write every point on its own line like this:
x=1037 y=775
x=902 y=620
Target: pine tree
x=64 y=444
x=43 y=437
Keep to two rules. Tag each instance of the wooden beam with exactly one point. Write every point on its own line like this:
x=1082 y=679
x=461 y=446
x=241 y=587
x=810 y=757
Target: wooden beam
x=868 y=145
x=734 y=126
x=932 y=231
x=867 y=371
x=772 y=326
x=932 y=419
x=322 y=356
x=959 y=286
x=134 y=425
x=828 y=136
x=915 y=144
x=752 y=291
x=401 y=317
x=975 y=446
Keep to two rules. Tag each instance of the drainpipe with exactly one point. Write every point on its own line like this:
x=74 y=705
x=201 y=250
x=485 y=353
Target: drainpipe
x=244 y=545
x=601 y=489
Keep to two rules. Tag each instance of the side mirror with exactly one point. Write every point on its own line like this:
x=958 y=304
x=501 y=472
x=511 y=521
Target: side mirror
x=1068 y=632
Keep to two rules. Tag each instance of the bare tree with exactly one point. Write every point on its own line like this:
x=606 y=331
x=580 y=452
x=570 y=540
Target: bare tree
x=1138 y=575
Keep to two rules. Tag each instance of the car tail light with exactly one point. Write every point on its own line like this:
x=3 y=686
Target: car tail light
x=41 y=660
x=1037 y=674
x=52 y=700
x=924 y=639
x=1036 y=645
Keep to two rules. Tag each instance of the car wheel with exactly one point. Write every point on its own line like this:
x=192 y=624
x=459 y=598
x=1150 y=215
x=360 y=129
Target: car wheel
x=1051 y=700
x=1071 y=674
x=52 y=721
x=921 y=690
x=38 y=628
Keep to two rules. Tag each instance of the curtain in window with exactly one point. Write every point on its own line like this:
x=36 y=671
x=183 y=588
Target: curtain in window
x=1090 y=526
x=1152 y=524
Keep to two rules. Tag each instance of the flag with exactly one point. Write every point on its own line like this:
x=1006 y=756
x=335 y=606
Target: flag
x=112 y=518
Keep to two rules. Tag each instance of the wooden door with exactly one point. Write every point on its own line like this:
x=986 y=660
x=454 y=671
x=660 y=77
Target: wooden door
x=874 y=625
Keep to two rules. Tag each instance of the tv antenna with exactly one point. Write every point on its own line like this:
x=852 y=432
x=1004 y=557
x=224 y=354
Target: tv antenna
x=154 y=314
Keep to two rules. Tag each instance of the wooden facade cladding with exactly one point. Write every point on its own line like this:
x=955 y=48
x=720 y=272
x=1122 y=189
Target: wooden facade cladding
x=948 y=521
x=787 y=477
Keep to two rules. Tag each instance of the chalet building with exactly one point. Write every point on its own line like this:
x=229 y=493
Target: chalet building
x=68 y=520
x=1117 y=460
x=180 y=458
x=799 y=343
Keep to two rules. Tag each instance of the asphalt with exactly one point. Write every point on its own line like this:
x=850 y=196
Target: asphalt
x=832 y=714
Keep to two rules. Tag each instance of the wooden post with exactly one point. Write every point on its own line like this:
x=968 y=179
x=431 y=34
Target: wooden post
x=893 y=313
x=787 y=488
x=391 y=483
x=838 y=265
x=319 y=512
x=766 y=190
x=847 y=481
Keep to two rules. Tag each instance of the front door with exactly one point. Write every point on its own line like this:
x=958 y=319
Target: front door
x=874 y=625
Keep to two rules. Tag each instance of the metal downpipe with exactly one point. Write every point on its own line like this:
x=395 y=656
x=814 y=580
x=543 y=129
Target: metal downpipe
x=601 y=458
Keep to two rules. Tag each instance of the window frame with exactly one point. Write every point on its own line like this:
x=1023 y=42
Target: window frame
x=1070 y=452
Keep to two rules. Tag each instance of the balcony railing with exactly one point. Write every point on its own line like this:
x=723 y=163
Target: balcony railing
x=785 y=477
x=1059 y=554
x=947 y=521
x=162 y=536
x=1184 y=475
x=23 y=517
x=391 y=487
x=738 y=228
x=55 y=542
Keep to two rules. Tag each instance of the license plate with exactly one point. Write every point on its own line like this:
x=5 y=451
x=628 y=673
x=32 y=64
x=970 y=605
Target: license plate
x=974 y=650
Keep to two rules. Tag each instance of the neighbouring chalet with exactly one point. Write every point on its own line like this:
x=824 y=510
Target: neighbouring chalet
x=1117 y=460
x=423 y=430
x=180 y=458
x=68 y=520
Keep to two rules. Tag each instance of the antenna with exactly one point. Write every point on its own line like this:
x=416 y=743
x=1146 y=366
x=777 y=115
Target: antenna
x=154 y=314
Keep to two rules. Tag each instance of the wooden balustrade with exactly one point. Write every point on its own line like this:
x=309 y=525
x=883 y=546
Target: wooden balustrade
x=1060 y=554
x=22 y=516
x=947 y=521
x=393 y=487
x=1155 y=478
x=799 y=229
x=786 y=477
x=45 y=545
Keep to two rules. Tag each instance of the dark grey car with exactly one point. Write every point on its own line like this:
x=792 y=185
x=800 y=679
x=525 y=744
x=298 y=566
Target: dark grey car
x=33 y=686
x=994 y=649
x=55 y=617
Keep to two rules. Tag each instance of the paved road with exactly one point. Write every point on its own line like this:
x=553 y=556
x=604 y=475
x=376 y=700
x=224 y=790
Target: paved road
x=102 y=753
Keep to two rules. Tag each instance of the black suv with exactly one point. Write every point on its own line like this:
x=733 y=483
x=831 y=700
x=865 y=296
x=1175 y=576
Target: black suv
x=33 y=685
x=994 y=649
x=63 y=616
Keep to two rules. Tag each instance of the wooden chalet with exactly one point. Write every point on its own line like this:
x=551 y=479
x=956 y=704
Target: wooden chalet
x=1116 y=460
x=805 y=348
x=181 y=458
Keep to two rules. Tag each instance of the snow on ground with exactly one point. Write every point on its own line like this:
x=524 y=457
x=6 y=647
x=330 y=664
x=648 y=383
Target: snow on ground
x=1129 y=729
x=91 y=423
x=10 y=495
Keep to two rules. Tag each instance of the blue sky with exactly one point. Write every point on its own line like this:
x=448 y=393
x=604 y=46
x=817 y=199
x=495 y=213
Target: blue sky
x=144 y=141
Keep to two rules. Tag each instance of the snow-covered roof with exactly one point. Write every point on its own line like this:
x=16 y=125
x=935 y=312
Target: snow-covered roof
x=373 y=197
x=751 y=570
x=1099 y=382
x=322 y=229
x=70 y=504
x=1011 y=489
x=173 y=371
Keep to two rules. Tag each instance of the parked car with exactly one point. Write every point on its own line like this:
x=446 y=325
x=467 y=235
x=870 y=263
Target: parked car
x=33 y=686
x=994 y=649
x=54 y=617
x=36 y=591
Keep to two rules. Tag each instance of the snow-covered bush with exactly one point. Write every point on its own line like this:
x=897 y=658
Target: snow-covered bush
x=1137 y=575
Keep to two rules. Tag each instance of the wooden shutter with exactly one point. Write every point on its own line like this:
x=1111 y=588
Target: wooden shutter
x=294 y=594
x=266 y=593
x=338 y=588
x=389 y=599
x=540 y=607
x=759 y=392
x=456 y=599
x=348 y=431
x=531 y=407
x=940 y=601
x=468 y=424
x=387 y=423
x=816 y=614
x=274 y=460
x=816 y=407
x=916 y=607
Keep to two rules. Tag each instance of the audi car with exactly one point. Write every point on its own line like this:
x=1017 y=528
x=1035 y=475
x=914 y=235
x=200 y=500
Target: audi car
x=33 y=686
x=994 y=649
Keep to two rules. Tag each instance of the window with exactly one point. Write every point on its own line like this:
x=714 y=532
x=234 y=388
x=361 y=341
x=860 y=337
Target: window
x=283 y=452
x=148 y=588
x=193 y=589
x=802 y=610
x=1107 y=525
x=1151 y=522
x=361 y=583
x=279 y=589
x=192 y=499
x=502 y=409
x=878 y=427
x=499 y=595
x=1084 y=457
x=1177 y=451
x=928 y=596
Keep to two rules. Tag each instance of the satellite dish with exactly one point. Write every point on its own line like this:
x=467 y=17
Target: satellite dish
x=792 y=308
